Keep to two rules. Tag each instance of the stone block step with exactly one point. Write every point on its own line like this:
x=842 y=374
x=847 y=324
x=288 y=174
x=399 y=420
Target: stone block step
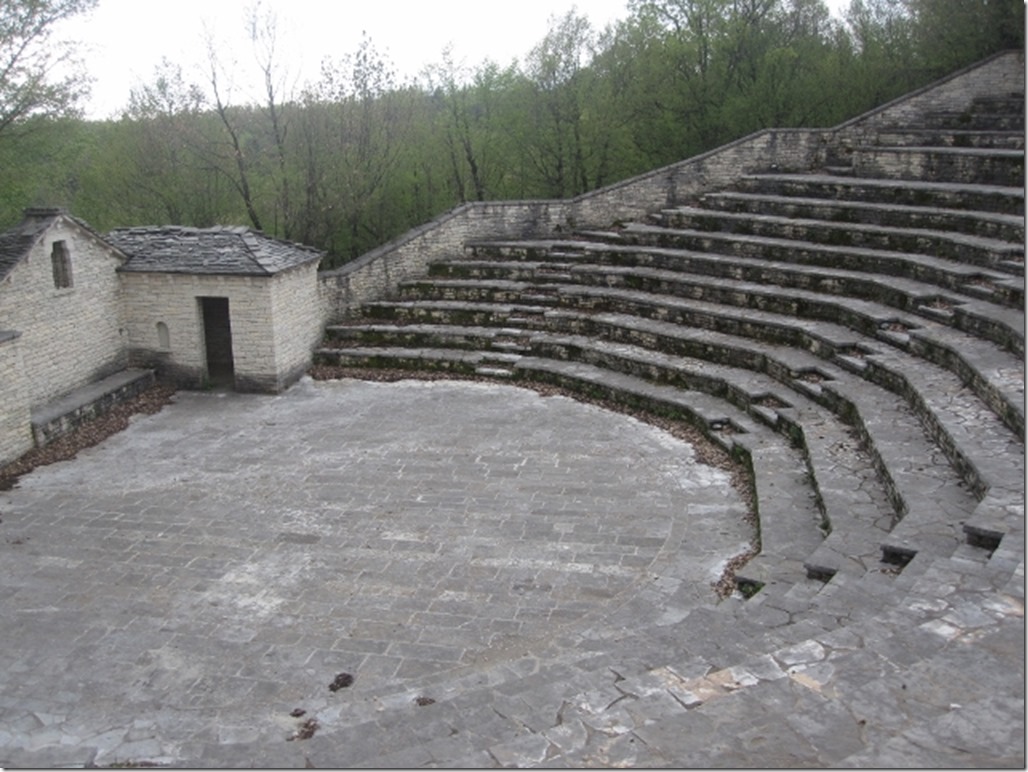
x=994 y=376
x=997 y=116
x=997 y=525
x=1009 y=140
x=63 y=415
x=510 y=340
x=455 y=312
x=866 y=248
x=982 y=166
x=556 y=255
x=496 y=291
x=394 y=357
x=1001 y=325
x=993 y=225
x=1004 y=199
x=951 y=245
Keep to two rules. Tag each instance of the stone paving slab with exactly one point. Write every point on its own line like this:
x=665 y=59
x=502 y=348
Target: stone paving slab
x=171 y=595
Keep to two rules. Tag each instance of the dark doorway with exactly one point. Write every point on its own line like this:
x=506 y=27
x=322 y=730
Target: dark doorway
x=217 y=338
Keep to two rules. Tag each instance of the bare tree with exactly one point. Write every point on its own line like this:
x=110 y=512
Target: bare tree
x=240 y=175
x=162 y=148
x=262 y=27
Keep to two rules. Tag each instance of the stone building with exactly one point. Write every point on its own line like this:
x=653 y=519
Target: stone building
x=87 y=319
x=60 y=317
x=223 y=306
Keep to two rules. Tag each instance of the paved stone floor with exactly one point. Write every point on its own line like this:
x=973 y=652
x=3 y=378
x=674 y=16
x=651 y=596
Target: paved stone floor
x=172 y=595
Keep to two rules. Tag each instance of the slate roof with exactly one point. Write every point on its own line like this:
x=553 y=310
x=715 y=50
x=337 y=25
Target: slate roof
x=218 y=251
x=16 y=243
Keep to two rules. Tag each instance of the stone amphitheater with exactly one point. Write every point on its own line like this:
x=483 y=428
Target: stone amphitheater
x=850 y=337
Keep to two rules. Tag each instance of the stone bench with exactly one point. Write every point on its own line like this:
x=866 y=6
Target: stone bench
x=63 y=415
x=855 y=272
x=984 y=138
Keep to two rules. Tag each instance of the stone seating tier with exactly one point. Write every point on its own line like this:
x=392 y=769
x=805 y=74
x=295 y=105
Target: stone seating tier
x=854 y=335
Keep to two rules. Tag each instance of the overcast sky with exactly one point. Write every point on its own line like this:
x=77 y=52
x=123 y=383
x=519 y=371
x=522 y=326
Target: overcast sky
x=123 y=40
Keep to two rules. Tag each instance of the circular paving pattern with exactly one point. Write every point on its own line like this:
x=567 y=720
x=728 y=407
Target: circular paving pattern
x=189 y=581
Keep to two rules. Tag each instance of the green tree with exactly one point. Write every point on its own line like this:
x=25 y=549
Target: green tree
x=160 y=137
x=38 y=77
x=448 y=82
x=556 y=144
x=356 y=119
x=949 y=34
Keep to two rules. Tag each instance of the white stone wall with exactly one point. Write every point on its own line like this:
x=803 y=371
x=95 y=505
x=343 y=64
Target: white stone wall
x=172 y=299
x=69 y=336
x=15 y=427
x=298 y=322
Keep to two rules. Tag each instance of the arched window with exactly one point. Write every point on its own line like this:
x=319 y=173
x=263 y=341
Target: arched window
x=163 y=336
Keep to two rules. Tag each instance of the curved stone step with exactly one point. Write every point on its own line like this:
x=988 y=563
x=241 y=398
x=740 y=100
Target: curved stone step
x=988 y=198
x=984 y=138
x=985 y=320
x=510 y=340
x=995 y=377
x=948 y=244
x=457 y=312
x=988 y=255
x=913 y=278
x=994 y=225
x=989 y=166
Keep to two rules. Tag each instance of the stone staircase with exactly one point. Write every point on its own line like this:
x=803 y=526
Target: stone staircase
x=855 y=337
x=883 y=310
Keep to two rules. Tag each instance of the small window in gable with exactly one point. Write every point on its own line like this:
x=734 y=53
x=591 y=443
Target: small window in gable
x=61 y=260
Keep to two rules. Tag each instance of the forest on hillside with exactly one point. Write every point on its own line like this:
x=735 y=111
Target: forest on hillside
x=356 y=158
